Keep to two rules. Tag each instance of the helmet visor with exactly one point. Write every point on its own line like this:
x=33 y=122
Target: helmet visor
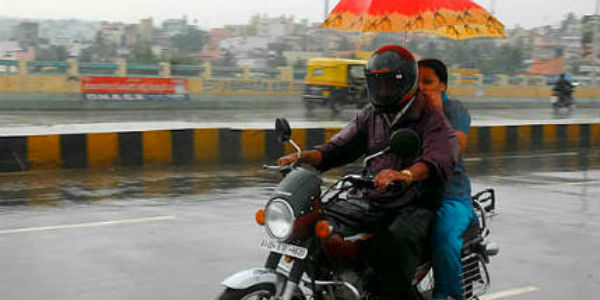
x=384 y=88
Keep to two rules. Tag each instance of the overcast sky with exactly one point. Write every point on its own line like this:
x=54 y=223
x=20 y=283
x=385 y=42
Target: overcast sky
x=214 y=13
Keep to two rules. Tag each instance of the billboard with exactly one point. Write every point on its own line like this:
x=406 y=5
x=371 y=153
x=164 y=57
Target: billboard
x=134 y=89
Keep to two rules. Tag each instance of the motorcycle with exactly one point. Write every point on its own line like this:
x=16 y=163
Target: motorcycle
x=302 y=263
x=563 y=102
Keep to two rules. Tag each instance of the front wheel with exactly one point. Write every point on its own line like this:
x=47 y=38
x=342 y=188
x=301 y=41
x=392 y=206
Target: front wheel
x=259 y=291
x=309 y=106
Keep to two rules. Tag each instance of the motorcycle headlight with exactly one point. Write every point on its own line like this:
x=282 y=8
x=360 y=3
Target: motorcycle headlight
x=279 y=220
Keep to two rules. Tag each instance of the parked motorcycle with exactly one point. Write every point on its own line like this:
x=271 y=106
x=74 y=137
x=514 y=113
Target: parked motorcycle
x=302 y=263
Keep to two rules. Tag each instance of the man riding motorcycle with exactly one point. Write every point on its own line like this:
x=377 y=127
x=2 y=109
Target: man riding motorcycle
x=563 y=89
x=399 y=219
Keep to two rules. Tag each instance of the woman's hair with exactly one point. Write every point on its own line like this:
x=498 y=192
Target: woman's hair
x=437 y=66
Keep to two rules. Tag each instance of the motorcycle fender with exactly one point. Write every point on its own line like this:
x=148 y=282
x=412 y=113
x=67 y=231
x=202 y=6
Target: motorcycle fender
x=250 y=277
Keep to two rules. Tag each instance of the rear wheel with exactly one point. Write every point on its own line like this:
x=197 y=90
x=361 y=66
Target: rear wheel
x=362 y=102
x=309 y=106
x=336 y=103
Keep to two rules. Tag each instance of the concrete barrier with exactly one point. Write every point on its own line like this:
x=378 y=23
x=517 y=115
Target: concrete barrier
x=68 y=84
x=228 y=145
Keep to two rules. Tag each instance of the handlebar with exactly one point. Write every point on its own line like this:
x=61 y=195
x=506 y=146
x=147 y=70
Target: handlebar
x=282 y=169
x=368 y=181
x=360 y=180
x=486 y=199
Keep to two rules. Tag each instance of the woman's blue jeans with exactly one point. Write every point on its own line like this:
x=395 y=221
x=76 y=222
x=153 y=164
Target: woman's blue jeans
x=452 y=219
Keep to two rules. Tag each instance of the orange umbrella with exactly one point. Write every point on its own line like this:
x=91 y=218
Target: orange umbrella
x=454 y=19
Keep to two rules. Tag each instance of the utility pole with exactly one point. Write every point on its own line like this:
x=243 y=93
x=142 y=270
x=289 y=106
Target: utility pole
x=595 y=46
x=325 y=31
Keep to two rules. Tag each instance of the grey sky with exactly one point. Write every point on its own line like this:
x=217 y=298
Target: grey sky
x=214 y=13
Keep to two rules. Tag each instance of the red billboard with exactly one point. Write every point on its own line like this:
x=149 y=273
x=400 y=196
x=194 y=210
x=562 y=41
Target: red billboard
x=134 y=88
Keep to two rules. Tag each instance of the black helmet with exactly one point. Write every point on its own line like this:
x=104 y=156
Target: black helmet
x=391 y=74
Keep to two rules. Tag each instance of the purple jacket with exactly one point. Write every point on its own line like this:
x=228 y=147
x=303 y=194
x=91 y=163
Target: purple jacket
x=369 y=132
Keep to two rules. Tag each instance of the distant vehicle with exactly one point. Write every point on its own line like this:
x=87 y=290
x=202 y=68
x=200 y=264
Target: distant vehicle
x=562 y=102
x=335 y=82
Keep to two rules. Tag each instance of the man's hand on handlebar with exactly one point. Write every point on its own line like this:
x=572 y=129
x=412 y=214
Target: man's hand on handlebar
x=387 y=176
x=287 y=159
x=313 y=157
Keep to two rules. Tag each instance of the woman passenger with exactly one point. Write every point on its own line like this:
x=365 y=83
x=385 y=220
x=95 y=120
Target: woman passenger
x=456 y=210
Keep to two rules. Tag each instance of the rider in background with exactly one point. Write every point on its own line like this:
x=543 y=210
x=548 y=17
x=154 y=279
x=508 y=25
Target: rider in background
x=563 y=88
x=456 y=211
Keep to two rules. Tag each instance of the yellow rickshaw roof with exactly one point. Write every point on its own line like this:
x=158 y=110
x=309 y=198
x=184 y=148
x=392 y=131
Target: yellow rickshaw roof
x=330 y=61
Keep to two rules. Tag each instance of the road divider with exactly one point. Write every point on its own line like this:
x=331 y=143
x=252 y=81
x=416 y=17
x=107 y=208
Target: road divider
x=232 y=145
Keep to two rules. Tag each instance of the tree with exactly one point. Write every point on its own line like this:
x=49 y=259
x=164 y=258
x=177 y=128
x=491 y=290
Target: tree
x=228 y=59
x=192 y=41
x=100 y=50
x=276 y=60
x=381 y=39
x=300 y=64
x=345 y=44
x=505 y=60
x=142 y=53
x=52 y=53
x=183 y=59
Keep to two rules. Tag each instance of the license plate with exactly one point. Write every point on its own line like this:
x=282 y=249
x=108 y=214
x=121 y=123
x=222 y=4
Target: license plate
x=285 y=249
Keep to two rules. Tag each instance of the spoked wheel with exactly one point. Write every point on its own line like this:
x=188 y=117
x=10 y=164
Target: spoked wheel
x=309 y=106
x=261 y=291
x=425 y=285
x=336 y=105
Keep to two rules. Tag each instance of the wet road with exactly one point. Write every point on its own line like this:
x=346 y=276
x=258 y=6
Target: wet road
x=20 y=123
x=175 y=233
x=216 y=116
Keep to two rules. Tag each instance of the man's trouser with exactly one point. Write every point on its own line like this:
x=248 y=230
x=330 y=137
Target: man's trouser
x=399 y=244
x=452 y=219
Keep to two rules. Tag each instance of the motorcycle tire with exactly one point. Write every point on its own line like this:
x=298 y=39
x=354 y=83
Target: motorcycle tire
x=259 y=291
x=336 y=106
x=309 y=106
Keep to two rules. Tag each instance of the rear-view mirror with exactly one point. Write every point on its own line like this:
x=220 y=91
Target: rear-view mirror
x=405 y=143
x=282 y=130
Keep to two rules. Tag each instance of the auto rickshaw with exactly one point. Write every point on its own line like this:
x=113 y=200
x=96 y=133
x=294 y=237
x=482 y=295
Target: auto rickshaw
x=335 y=82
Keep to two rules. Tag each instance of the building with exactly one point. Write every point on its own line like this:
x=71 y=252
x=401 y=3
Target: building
x=547 y=66
x=211 y=50
x=173 y=27
x=146 y=30
x=113 y=33
x=292 y=57
x=273 y=28
x=72 y=45
x=571 y=40
x=9 y=50
x=26 y=33
x=132 y=35
x=544 y=42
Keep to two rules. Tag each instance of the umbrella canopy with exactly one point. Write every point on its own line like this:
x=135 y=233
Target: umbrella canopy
x=454 y=19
